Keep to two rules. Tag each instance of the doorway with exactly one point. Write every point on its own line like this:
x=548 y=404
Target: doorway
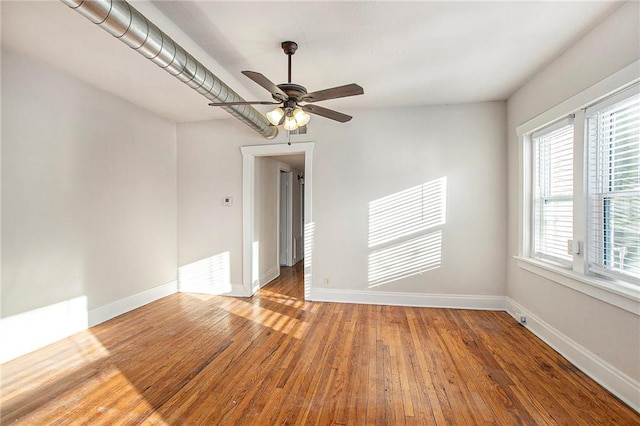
x=286 y=240
x=249 y=153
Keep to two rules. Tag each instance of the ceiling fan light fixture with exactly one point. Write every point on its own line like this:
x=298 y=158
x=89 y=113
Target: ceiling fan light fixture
x=290 y=123
x=289 y=95
x=302 y=118
x=275 y=116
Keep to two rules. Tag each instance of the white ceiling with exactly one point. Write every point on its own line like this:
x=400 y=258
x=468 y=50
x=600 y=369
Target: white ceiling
x=294 y=160
x=402 y=53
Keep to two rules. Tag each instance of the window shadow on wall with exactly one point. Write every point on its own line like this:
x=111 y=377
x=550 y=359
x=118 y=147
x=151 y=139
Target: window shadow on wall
x=402 y=239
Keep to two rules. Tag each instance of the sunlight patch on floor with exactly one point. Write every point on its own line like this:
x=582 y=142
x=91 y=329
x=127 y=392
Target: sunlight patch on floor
x=281 y=298
x=265 y=317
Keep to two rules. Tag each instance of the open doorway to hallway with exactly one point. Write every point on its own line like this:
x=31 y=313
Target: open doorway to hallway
x=291 y=213
x=285 y=169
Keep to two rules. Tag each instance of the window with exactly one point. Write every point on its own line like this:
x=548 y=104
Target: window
x=582 y=203
x=613 y=210
x=553 y=193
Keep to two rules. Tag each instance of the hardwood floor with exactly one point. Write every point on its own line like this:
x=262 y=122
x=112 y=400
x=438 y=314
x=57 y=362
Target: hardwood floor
x=275 y=359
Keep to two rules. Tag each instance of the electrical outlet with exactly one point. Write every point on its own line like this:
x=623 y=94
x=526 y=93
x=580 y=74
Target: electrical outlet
x=326 y=282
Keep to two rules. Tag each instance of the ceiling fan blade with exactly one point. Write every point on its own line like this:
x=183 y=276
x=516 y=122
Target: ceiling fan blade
x=243 y=103
x=267 y=84
x=333 y=93
x=328 y=113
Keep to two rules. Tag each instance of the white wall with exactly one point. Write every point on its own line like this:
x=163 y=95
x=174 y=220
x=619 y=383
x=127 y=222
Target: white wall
x=265 y=231
x=209 y=169
x=89 y=196
x=367 y=160
x=88 y=193
x=606 y=333
x=355 y=164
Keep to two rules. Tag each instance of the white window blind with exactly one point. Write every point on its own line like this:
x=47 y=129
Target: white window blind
x=553 y=192
x=613 y=211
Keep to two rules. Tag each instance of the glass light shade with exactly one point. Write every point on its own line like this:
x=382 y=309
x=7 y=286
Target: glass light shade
x=302 y=118
x=275 y=116
x=290 y=123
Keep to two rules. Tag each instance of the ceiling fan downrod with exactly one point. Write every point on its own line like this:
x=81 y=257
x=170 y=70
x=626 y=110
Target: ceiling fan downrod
x=289 y=95
x=289 y=48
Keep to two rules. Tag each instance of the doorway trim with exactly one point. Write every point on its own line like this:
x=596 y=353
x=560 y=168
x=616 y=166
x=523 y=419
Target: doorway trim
x=250 y=283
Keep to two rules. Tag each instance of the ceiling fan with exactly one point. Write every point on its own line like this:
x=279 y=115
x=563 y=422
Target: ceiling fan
x=289 y=95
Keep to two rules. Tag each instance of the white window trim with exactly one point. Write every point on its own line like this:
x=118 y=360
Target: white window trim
x=633 y=90
x=563 y=122
x=617 y=293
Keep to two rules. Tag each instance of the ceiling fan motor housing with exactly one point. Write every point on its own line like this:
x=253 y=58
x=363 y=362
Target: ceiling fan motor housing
x=294 y=91
x=290 y=94
x=289 y=47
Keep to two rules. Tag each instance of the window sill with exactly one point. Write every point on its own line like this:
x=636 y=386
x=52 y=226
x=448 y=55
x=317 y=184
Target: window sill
x=623 y=295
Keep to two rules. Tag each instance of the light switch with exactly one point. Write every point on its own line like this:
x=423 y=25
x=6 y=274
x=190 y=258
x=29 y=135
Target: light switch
x=573 y=247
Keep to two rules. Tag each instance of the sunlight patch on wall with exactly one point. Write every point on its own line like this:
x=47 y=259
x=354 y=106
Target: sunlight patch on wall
x=28 y=331
x=309 y=232
x=398 y=239
x=407 y=212
x=405 y=259
x=210 y=276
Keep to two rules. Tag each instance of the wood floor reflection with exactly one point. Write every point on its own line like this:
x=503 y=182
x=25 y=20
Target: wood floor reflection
x=276 y=359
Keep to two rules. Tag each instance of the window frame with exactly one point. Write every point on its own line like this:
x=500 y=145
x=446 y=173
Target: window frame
x=598 y=252
x=533 y=229
x=609 y=289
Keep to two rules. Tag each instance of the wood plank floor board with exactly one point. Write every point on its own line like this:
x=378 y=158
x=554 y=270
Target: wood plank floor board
x=488 y=390
x=528 y=370
x=275 y=359
x=425 y=391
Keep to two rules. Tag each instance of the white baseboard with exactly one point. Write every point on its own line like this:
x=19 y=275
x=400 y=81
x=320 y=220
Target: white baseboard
x=408 y=299
x=614 y=380
x=35 y=329
x=49 y=324
x=119 y=307
x=235 y=290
